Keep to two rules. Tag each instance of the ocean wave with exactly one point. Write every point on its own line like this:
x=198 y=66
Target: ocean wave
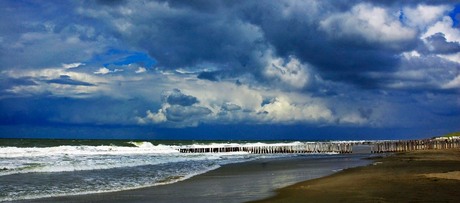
x=15 y=160
x=114 y=186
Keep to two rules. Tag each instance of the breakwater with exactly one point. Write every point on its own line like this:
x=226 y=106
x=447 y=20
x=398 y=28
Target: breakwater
x=411 y=145
x=309 y=147
x=343 y=147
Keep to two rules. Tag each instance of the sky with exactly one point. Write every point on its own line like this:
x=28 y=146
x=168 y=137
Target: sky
x=284 y=69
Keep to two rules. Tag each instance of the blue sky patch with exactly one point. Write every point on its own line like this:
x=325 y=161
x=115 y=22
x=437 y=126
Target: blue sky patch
x=455 y=15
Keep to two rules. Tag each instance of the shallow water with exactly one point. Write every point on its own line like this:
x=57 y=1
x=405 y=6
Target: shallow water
x=50 y=170
x=239 y=182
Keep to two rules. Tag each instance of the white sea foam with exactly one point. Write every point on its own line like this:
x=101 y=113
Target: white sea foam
x=14 y=160
x=142 y=148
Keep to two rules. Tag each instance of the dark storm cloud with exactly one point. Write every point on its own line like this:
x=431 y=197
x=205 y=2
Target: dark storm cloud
x=342 y=59
x=438 y=44
x=22 y=81
x=36 y=34
x=7 y=83
x=176 y=97
x=67 y=80
x=110 y=2
x=184 y=36
x=234 y=37
x=230 y=38
x=200 y=5
x=178 y=113
x=212 y=76
x=183 y=108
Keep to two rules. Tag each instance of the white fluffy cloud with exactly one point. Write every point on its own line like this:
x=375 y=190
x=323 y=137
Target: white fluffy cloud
x=372 y=23
x=102 y=71
x=140 y=70
x=67 y=82
x=283 y=110
x=445 y=27
x=289 y=72
x=227 y=102
x=150 y=117
x=450 y=33
x=454 y=83
x=423 y=15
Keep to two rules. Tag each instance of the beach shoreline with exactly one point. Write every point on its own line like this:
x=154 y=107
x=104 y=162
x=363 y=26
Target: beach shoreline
x=238 y=182
x=416 y=176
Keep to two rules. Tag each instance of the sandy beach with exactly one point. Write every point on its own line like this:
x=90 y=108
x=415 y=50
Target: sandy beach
x=418 y=176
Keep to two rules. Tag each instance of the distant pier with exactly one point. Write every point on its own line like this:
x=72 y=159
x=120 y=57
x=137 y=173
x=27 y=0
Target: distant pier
x=411 y=145
x=313 y=147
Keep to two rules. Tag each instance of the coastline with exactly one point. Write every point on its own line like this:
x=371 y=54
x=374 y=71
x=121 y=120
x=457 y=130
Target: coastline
x=416 y=176
x=239 y=182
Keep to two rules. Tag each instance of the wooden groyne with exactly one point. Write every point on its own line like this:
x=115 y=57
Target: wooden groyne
x=411 y=145
x=314 y=147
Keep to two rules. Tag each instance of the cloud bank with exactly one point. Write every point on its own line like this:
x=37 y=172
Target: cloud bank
x=180 y=64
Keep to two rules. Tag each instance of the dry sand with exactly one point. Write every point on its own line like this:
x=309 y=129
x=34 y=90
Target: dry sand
x=419 y=176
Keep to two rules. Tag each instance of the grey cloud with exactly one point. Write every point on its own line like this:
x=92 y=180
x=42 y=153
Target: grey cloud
x=67 y=80
x=250 y=29
x=178 y=110
x=212 y=76
x=200 y=5
x=7 y=83
x=111 y=2
x=194 y=35
x=176 y=97
x=420 y=74
x=365 y=113
x=37 y=35
x=437 y=44
x=238 y=34
x=233 y=39
x=178 y=113
x=342 y=59
x=22 y=81
x=178 y=37
x=230 y=107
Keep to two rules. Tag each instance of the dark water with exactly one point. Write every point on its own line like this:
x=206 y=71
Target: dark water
x=127 y=143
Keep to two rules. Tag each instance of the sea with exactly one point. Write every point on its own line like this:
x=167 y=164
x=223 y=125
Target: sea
x=39 y=168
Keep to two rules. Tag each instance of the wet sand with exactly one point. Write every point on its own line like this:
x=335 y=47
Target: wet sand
x=231 y=183
x=419 y=176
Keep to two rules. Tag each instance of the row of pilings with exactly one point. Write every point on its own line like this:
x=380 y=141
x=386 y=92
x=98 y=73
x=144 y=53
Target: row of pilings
x=411 y=145
x=314 y=147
